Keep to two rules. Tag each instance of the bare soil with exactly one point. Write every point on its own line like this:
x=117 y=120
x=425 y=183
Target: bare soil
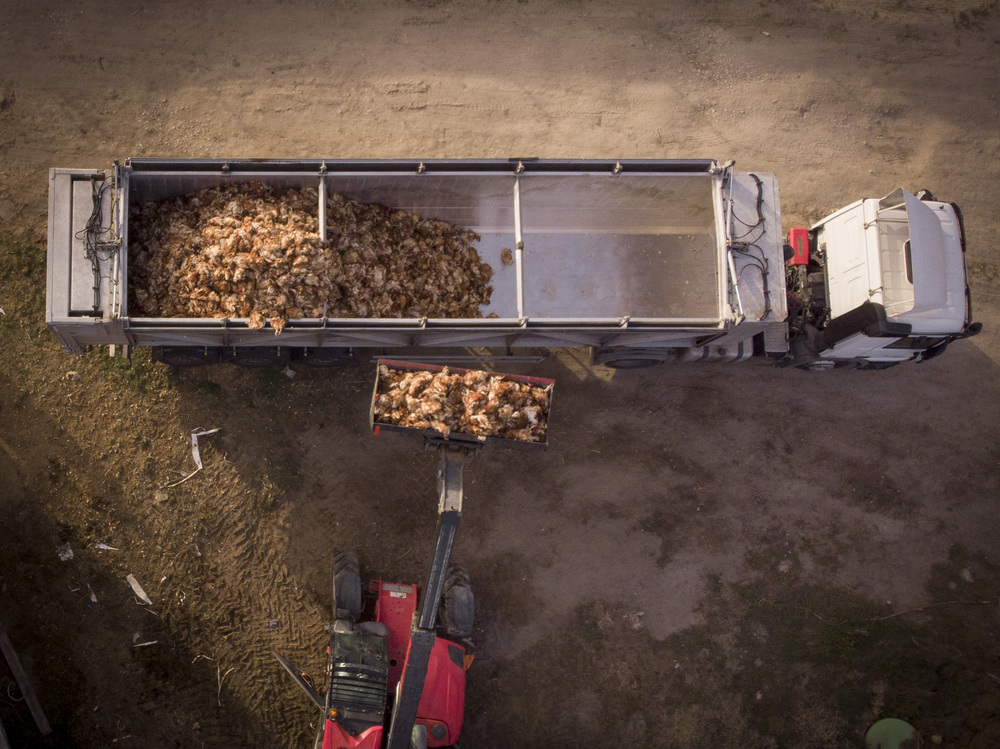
x=716 y=556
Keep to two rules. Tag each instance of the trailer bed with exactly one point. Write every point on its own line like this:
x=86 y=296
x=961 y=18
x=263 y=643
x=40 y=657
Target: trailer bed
x=606 y=248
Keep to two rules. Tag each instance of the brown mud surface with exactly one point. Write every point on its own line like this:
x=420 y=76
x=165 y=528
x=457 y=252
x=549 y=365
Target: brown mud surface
x=706 y=556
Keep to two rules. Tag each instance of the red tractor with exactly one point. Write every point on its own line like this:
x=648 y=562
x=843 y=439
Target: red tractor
x=392 y=681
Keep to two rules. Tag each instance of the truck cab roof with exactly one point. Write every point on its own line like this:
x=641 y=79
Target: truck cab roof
x=901 y=252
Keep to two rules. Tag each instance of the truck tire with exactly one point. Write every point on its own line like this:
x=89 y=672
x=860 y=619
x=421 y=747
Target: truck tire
x=255 y=356
x=818 y=365
x=458 y=609
x=636 y=362
x=325 y=357
x=625 y=359
x=186 y=356
x=877 y=365
x=347 y=602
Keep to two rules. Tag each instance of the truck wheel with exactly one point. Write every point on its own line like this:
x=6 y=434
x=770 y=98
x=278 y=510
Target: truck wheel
x=255 y=356
x=325 y=357
x=636 y=362
x=624 y=358
x=185 y=356
x=346 y=586
x=459 y=607
x=873 y=365
x=631 y=358
x=819 y=365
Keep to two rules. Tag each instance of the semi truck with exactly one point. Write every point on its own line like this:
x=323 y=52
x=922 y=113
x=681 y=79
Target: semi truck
x=642 y=261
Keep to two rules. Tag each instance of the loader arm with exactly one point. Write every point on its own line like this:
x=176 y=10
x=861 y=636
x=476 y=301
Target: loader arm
x=422 y=634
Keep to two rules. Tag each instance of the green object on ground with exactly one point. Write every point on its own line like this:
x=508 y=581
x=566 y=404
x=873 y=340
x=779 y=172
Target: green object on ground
x=892 y=733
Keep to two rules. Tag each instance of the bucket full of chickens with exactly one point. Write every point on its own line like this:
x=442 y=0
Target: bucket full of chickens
x=461 y=406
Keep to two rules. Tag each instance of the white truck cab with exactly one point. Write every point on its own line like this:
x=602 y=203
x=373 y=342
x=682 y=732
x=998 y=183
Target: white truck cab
x=896 y=282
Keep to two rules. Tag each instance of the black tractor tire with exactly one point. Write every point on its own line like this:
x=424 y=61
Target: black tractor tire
x=458 y=607
x=347 y=602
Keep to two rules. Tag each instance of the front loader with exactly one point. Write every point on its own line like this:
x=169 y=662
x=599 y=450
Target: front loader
x=397 y=680
x=392 y=681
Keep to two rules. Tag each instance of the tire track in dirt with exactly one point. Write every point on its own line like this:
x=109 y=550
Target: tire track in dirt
x=250 y=604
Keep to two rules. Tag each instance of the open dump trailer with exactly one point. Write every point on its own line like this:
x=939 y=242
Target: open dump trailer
x=624 y=256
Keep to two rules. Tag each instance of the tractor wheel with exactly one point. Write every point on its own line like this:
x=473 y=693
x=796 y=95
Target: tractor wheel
x=459 y=607
x=346 y=586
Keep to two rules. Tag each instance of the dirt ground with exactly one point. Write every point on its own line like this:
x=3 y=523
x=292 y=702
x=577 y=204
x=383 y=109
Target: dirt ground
x=706 y=556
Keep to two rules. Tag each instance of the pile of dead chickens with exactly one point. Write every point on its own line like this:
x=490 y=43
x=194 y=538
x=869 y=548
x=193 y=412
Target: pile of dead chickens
x=476 y=402
x=252 y=251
